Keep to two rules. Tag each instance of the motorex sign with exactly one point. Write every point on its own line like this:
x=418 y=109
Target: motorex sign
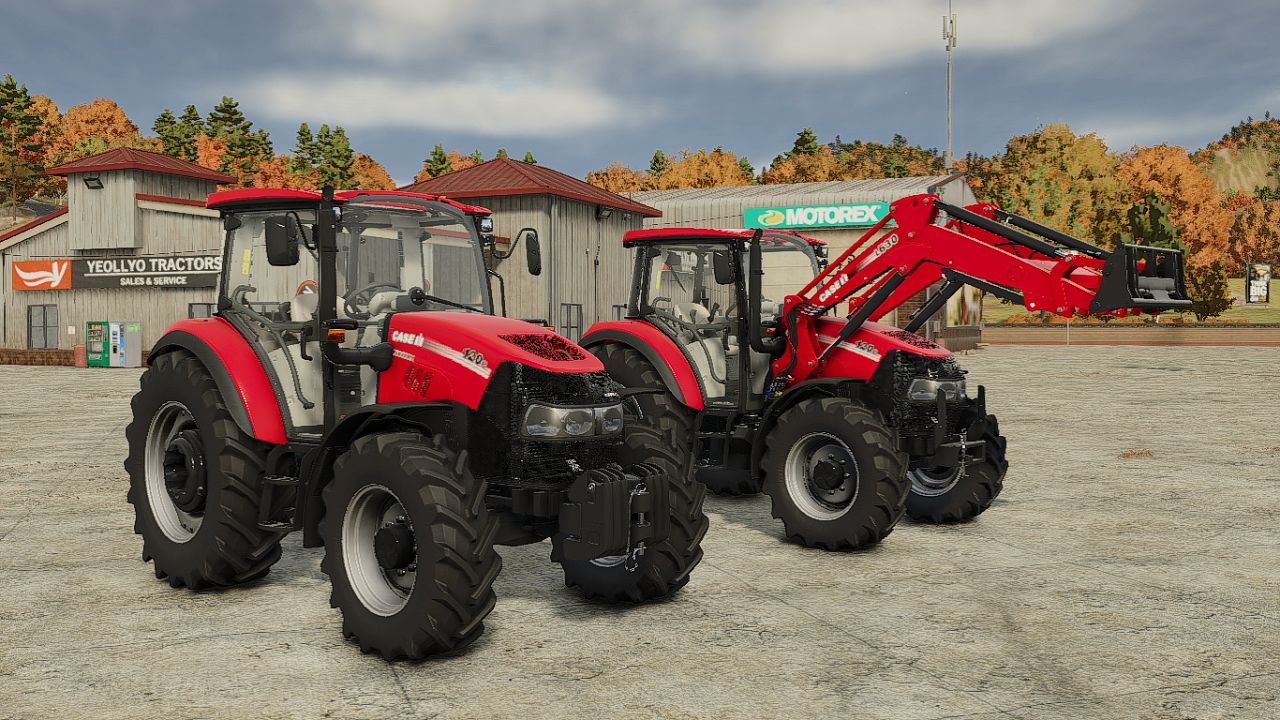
x=816 y=216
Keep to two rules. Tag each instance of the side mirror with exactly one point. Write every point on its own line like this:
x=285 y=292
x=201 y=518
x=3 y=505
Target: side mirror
x=532 y=250
x=722 y=264
x=282 y=240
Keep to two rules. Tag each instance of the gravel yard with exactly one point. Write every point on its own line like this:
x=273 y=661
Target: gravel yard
x=1130 y=570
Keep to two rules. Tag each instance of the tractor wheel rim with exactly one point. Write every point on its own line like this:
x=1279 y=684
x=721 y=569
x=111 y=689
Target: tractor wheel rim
x=382 y=581
x=822 y=476
x=173 y=439
x=932 y=482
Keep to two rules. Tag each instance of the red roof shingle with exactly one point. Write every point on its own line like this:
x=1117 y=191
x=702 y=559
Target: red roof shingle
x=504 y=176
x=131 y=159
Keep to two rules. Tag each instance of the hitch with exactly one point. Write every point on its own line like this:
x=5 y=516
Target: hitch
x=1144 y=277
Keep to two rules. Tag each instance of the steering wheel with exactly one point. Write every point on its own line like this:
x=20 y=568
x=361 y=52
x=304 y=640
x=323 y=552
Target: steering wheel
x=362 y=297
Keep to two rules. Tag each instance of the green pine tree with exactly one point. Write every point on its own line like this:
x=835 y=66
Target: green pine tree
x=659 y=164
x=477 y=157
x=226 y=119
x=528 y=158
x=188 y=126
x=166 y=126
x=307 y=154
x=338 y=160
x=747 y=171
x=1149 y=224
x=806 y=143
x=501 y=154
x=438 y=164
x=19 y=168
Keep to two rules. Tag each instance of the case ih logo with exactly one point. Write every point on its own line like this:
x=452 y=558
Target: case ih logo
x=415 y=339
x=42 y=275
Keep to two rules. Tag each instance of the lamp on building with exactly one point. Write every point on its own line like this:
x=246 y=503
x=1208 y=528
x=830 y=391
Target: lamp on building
x=603 y=213
x=93 y=182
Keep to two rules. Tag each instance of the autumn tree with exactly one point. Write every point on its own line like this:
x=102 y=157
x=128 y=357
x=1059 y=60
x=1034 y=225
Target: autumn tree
x=703 y=169
x=818 y=166
x=1255 y=236
x=501 y=154
x=19 y=151
x=47 y=137
x=1208 y=291
x=872 y=160
x=369 y=174
x=93 y=127
x=1063 y=180
x=1150 y=224
x=1196 y=205
x=528 y=158
x=617 y=177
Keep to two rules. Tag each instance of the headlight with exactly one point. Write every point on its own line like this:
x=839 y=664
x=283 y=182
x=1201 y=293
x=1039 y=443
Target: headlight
x=546 y=421
x=486 y=225
x=925 y=390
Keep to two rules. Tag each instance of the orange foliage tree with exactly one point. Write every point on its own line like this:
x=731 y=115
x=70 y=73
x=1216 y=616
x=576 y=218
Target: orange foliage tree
x=93 y=127
x=370 y=174
x=818 y=166
x=703 y=169
x=1196 y=206
x=1255 y=236
x=617 y=177
x=48 y=137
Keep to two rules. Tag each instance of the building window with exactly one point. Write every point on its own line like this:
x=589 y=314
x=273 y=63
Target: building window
x=619 y=312
x=42 y=327
x=571 y=321
x=201 y=310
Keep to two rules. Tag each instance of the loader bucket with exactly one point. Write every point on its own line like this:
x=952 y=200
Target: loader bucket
x=1139 y=276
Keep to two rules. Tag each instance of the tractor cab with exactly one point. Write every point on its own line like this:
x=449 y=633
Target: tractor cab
x=693 y=286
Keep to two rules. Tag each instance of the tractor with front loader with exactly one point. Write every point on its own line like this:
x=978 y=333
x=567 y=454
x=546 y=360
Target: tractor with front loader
x=848 y=423
x=355 y=385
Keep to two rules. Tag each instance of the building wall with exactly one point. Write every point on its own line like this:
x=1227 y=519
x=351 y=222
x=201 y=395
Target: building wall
x=103 y=218
x=583 y=261
x=161 y=233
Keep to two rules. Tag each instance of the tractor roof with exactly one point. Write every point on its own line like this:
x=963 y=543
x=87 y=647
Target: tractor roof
x=666 y=235
x=268 y=197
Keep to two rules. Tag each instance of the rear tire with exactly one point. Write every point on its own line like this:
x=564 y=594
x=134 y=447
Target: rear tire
x=941 y=497
x=195 y=480
x=833 y=472
x=408 y=546
x=664 y=568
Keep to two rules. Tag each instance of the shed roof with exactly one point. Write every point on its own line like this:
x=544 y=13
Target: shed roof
x=131 y=159
x=504 y=176
x=880 y=190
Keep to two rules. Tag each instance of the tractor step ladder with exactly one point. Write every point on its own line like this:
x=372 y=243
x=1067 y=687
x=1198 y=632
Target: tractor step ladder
x=274 y=489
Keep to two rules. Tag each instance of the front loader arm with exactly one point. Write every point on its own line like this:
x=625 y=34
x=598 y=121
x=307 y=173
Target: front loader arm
x=973 y=246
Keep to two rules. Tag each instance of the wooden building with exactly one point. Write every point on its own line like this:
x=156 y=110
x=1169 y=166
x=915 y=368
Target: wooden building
x=135 y=243
x=586 y=271
x=838 y=213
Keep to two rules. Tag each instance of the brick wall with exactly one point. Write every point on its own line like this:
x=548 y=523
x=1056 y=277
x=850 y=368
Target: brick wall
x=36 y=357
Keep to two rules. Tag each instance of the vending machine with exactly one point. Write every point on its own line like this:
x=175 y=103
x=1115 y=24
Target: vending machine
x=113 y=343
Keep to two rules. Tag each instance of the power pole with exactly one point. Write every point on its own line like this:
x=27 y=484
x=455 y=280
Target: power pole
x=949 y=35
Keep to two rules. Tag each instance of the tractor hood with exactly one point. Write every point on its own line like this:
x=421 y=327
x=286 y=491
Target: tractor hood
x=486 y=341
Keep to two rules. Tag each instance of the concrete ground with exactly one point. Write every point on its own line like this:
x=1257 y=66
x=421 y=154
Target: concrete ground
x=1098 y=586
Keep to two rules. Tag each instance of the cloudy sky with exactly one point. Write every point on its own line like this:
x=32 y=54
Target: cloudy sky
x=582 y=83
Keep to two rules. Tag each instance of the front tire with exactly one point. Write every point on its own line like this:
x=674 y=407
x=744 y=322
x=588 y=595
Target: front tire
x=952 y=495
x=195 y=480
x=664 y=568
x=834 y=474
x=408 y=546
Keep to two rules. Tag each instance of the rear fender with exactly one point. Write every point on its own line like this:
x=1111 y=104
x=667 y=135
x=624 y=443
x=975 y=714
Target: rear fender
x=446 y=419
x=239 y=375
x=661 y=352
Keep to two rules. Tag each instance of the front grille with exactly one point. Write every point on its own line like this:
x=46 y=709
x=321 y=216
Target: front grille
x=503 y=456
x=916 y=419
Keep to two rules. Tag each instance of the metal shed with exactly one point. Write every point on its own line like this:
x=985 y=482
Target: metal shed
x=135 y=243
x=836 y=212
x=586 y=271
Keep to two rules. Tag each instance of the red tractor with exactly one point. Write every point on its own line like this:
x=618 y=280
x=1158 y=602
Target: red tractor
x=847 y=423
x=355 y=385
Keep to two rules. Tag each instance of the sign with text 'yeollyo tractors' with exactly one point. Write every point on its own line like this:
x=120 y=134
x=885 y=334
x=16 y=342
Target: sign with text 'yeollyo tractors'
x=189 y=271
x=802 y=217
